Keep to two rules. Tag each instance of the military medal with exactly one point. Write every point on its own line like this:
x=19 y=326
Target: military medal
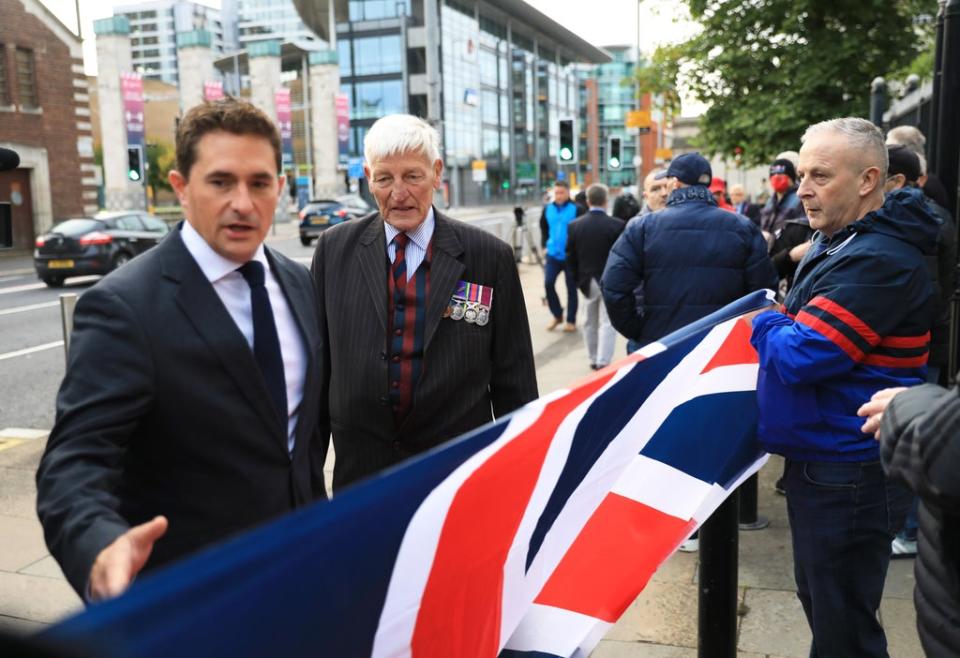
x=471 y=302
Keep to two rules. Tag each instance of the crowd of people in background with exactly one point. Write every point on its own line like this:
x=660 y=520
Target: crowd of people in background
x=854 y=239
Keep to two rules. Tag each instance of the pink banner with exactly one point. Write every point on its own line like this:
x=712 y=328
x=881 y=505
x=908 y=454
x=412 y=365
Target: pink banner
x=212 y=90
x=281 y=100
x=342 y=104
x=131 y=87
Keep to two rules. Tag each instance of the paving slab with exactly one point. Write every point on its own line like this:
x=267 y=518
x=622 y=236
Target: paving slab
x=23 y=543
x=899 y=617
x=16 y=626
x=45 y=567
x=36 y=598
x=774 y=624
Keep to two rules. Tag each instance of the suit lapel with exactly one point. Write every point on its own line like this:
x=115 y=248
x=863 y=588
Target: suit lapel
x=445 y=270
x=372 y=255
x=211 y=320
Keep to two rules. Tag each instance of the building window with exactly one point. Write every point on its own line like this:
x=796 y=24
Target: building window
x=26 y=79
x=377 y=99
x=377 y=55
x=4 y=94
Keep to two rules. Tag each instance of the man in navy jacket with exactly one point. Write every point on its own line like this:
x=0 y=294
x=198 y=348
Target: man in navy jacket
x=679 y=264
x=856 y=320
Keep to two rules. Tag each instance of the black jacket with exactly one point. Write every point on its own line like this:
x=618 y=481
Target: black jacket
x=920 y=445
x=589 y=239
x=942 y=266
x=163 y=410
x=792 y=233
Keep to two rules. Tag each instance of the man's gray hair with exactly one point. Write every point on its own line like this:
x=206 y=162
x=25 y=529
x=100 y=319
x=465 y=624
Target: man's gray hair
x=397 y=134
x=908 y=136
x=861 y=135
x=597 y=195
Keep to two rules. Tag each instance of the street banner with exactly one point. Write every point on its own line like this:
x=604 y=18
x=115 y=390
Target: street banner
x=212 y=90
x=529 y=536
x=131 y=88
x=342 y=103
x=281 y=101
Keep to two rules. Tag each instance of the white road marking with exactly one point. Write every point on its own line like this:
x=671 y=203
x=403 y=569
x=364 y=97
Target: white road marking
x=31 y=350
x=23 y=288
x=29 y=307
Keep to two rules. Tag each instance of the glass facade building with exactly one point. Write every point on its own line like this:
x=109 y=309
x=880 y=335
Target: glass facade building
x=504 y=86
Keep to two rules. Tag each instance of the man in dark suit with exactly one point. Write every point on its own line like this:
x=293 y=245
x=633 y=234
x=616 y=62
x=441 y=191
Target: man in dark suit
x=187 y=411
x=589 y=240
x=424 y=326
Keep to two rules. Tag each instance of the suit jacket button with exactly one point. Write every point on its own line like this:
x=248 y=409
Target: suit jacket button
x=383 y=356
x=384 y=401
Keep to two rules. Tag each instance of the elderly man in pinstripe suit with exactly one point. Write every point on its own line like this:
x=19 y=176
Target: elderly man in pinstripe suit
x=424 y=325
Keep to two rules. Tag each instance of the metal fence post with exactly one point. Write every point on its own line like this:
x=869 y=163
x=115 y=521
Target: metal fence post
x=717 y=596
x=68 y=302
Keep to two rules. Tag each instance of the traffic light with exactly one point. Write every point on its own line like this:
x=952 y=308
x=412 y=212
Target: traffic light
x=135 y=163
x=567 y=153
x=614 y=157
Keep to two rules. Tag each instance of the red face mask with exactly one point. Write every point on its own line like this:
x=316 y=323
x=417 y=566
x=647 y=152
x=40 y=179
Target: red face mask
x=780 y=183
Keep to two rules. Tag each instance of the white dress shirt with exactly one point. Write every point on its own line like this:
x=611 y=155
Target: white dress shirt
x=234 y=292
x=417 y=246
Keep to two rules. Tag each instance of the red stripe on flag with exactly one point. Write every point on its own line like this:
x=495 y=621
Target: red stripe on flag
x=736 y=349
x=847 y=318
x=612 y=559
x=460 y=608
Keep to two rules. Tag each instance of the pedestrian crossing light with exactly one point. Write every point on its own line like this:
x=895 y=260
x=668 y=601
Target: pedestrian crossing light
x=614 y=157
x=566 y=154
x=135 y=164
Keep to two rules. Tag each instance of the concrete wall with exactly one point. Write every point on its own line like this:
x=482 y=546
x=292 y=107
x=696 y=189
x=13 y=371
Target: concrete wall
x=324 y=86
x=195 y=65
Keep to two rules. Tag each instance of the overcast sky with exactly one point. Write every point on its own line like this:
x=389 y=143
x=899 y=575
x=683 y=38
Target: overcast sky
x=600 y=22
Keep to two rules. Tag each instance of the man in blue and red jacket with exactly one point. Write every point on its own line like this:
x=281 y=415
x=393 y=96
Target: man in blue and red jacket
x=856 y=320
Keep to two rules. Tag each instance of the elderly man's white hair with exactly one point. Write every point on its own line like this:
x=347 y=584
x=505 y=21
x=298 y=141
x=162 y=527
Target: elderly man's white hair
x=401 y=133
x=908 y=136
x=861 y=135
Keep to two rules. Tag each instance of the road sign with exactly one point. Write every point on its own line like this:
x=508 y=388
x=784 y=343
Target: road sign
x=355 y=168
x=638 y=119
x=479 y=171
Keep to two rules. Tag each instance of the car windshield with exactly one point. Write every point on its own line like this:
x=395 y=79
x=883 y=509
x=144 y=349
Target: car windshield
x=353 y=201
x=74 y=227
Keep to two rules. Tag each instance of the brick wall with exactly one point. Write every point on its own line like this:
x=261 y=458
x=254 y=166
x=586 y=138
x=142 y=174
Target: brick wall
x=63 y=116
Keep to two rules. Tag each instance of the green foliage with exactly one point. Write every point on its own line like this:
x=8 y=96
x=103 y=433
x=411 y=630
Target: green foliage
x=769 y=68
x=658 y=78
x=160 y=158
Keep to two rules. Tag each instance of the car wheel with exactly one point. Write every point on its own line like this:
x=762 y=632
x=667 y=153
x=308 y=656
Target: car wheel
x=305 y=241
x=122 y=258
x=53 y=281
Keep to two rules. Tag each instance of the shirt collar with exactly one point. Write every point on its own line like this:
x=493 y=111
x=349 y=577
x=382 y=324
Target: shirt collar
x=421 y=235
x=213 y=265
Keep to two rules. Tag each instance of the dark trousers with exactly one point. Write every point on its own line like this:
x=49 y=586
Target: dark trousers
x=842 y=519
x=551 y=272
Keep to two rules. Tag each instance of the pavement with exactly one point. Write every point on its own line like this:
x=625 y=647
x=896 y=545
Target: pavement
x=661 y=623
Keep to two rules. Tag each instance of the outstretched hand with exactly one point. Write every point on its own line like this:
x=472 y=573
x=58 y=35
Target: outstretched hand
x=873 y=410
x=118 y=564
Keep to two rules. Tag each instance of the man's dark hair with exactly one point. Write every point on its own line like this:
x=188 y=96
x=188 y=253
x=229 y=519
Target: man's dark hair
x=562 y=183
x=228 y=115
x=597 y=195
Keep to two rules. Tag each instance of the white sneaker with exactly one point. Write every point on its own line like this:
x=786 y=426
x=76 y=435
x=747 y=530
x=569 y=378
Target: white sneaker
x=691 y=545
x=902 y=548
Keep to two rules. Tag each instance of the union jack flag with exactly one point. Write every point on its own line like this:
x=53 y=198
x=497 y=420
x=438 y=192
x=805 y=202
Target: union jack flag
x=527 y=537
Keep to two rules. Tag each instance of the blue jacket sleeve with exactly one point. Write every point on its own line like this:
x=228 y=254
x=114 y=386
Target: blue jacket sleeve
x=851 y=309
x=622 y=275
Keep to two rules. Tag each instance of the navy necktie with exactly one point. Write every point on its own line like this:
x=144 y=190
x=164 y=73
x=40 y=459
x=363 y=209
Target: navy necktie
x=266 y=343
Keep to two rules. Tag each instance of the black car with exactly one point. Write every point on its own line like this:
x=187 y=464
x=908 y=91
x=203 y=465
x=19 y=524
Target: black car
x=94 y=245
x=321 y=214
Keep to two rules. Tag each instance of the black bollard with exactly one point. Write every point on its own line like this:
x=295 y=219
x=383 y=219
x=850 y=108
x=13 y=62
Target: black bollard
x=948 y=134
x=717 y=596
x=749 y=519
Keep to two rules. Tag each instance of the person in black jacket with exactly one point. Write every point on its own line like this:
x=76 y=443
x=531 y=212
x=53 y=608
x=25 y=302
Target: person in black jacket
x=589 y=239
x=919 y=431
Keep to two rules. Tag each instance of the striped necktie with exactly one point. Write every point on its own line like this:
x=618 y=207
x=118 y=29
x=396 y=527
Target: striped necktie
x=399 y=268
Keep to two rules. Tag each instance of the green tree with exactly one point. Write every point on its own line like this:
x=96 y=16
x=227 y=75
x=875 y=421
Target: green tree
x=769 y=68
x=160 y=159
